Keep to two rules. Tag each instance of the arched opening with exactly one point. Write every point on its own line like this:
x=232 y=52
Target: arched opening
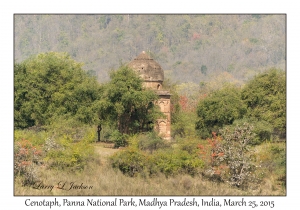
x=158 y=87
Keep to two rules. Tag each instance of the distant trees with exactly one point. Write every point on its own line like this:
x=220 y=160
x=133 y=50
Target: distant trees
x=192 y=47
x=51 y=85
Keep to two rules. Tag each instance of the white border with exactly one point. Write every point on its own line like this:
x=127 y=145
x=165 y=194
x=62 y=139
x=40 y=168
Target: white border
x=8 y=8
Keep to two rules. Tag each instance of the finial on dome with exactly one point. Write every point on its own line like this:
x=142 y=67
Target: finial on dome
x=143 y=52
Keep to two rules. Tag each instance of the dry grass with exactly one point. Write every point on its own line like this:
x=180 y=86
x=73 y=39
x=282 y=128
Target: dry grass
x=107 y=181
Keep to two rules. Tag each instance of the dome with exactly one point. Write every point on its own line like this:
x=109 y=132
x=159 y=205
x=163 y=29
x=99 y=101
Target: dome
x=147 y=68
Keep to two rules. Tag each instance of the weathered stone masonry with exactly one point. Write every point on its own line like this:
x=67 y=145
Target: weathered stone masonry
x=153 y=75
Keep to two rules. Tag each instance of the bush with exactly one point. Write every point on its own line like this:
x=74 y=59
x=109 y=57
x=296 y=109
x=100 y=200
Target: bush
x=26 y=157
x=150 y=142
x=230 y=157
x=118 y=139
x=65 y=154
x=272 y=157
x=176 y=161
x=130 y=161
x=189 y=144
x=168 y=161
x=184 y=126
x=35 y=138
x=261 y=128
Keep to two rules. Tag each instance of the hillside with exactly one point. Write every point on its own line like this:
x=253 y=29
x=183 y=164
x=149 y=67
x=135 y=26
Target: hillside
x=190 y=48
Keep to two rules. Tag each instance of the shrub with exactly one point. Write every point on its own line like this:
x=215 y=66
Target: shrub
x=272 y=157
x=65 y=154
x=231 y=158
x=130 y=161
x=75 y=129
x=176 y=161
x=26 y=156
x=35 y=138
x=118 y=138
x=189 y=144
x=150 y=141
x=261 y=128
x=168 y=161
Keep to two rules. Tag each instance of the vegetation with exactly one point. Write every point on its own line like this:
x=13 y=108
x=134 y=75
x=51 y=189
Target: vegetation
x=220 y=108
x=231 y=157
x=51 y=85
x=126 y=105
x=137 y=160
x=190 y=47
x=38 y=150
x=265 y=97
x=260 y=102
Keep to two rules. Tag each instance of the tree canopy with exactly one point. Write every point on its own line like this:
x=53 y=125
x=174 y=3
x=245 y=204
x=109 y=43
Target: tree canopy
x=262 y=101
x=219 y=108
x=52 y=84
x=126 y=104
x=265 y=97
x=192 y=47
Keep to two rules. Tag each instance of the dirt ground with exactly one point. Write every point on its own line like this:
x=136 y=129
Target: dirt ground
x=105 y=150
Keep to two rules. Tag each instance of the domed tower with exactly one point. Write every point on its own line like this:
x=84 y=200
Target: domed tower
x=149 y=70
x=153 y=76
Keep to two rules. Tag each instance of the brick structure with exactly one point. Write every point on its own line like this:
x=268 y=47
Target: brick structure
x=153 y=75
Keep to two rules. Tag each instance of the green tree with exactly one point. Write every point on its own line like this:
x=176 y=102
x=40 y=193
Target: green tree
x=265 y=97
x=126 y=104
x=219 y=108
x=51 y=85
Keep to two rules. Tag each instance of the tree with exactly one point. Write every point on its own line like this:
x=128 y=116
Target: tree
x=230 y=157
x=126 y=104
x=219 y=108
x=265 y=97
x=51 y=85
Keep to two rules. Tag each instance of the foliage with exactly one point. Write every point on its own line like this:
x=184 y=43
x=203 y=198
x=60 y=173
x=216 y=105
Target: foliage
x=265 y=97
x=68 y=155
x=126 y=105
x=118 y=138
x=150 y=141
x=36 y=138
x=189 y=144
x=75 y=129
x=262 y=129
x=185 y=125
x=130 y=161
x=151 y=159
x=230 y=157
x=51 y=85
x=219 y=108
x=214 y=41
x=51 y=149
x=175 y=161
x=272 y=158
x=26 y=157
